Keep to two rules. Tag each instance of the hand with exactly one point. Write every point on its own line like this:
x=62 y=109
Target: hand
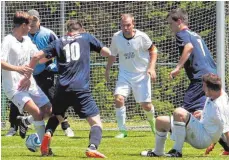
x=107 y=75
x=25 y=70
x=152 y=74
x=24 y=84
x=174 y=73
x=197 y=114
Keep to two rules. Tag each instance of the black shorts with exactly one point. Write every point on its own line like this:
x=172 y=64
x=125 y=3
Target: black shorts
x=45 y=80
x=81 y=101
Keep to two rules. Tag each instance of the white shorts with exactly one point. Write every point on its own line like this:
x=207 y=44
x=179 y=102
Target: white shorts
x=139 y=83
x=34 y=93
x=196 y=135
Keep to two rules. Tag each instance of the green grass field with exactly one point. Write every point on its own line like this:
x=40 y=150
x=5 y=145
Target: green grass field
x=64 y=148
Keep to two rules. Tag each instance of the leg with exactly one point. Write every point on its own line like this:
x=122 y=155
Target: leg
x=149 y=111
x=181 y=118
x=162 y=129
x=14 y=112
x=120 y=115
x=95 y=137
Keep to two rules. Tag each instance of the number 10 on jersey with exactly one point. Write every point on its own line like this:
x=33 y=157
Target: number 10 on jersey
x=72 y=51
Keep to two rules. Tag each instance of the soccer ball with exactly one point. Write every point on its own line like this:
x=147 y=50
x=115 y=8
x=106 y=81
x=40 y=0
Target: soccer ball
x=32 y=142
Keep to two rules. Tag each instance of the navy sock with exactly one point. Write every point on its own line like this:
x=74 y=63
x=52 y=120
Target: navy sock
x=65 y=125
x=224 y=144
x=52 y=124
x=95 y=137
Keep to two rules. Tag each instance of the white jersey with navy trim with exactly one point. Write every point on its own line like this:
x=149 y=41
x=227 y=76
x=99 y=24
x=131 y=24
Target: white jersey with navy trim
x=214 y=118
x=133 y=53
x=18 y=54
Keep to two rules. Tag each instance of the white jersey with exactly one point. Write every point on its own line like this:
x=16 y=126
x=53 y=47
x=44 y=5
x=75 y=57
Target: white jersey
x=214 y=118
x=18 y=54
x=133 y=53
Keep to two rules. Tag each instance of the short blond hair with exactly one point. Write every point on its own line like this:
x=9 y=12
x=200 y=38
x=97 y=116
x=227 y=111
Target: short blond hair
x=127 y=15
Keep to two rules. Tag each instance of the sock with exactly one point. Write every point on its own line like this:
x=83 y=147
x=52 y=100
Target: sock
x=40 y=128
x=29 y=120
x=179 y=132
x=223 y=143
x=160 y=142
x=51 y=125
x=95 y=137
x=150 y=114
x=121 y=118
x=65 y=125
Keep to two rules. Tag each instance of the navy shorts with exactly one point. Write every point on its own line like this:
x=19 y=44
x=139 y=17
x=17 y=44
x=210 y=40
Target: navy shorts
x=194 y=98
x=81 y=101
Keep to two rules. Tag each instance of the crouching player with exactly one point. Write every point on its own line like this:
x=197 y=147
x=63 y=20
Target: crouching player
x=185 y=127
x=72 y=89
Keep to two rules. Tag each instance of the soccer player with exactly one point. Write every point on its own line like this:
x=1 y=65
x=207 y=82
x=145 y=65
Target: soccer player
x=17 y=49
x=43 y=73
x=186 y=127
x=72 y=89
x=195 y=58
x=137 y=60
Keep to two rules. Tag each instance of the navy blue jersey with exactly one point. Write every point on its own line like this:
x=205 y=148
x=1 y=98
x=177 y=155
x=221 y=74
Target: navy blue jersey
x=73 y=60
x=200 y=61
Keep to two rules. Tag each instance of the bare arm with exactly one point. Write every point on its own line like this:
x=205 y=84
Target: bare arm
x=24 y=70
x=25 y=82
x=38 y=56
x=105 y=52
x=111 y=60
x=152 y=63
x=184 y=57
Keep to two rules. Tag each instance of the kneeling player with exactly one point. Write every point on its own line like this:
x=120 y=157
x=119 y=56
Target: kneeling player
x=185 y=127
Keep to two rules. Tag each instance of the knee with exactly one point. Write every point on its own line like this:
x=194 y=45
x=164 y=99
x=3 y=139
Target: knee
x=162 y=123
x=147 y=106
x=180 y=114
x=119 y=101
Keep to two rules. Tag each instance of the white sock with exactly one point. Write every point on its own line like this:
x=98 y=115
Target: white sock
x=40 y=128
x=121 y=118
x=160 y=143
x=179 y=132
x=150 y=114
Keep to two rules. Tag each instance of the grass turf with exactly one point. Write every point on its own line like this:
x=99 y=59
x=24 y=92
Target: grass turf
x=64 y=148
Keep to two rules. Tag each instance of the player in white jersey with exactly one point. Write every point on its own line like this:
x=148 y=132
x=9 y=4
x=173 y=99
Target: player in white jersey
x=17 y=49
x=137 y=59
x=186 y=127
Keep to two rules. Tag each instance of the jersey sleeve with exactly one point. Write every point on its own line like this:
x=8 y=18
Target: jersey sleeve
x=95 y=44
x=52 y=37
x=183 y=38
x=147 y=43
x=50 y=50
x=113 y=48
x=5 y=47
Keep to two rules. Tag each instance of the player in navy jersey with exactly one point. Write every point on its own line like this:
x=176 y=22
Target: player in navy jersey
x=72 y=89
x=196 y=60
x=195 y=57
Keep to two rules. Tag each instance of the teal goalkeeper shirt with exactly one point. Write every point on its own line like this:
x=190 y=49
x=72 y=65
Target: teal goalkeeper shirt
x=42 y=38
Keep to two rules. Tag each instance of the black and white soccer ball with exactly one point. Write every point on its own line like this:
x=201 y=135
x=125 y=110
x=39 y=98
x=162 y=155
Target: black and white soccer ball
x=32 y=142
